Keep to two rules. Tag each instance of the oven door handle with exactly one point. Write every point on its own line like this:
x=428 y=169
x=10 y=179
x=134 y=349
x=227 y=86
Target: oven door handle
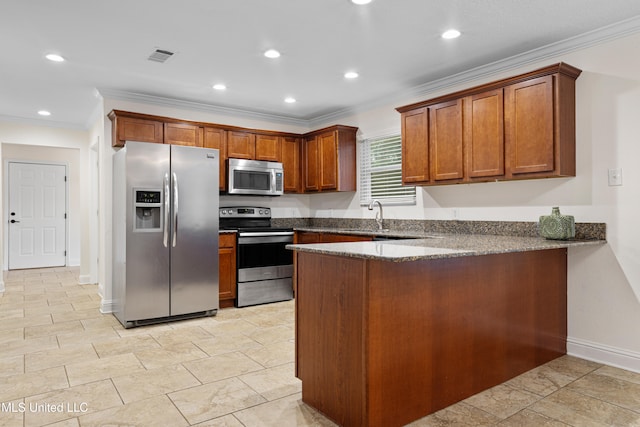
x=265 y=239
x=265 y=233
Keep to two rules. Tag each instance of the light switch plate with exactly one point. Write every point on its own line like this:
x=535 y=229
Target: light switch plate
x=615 y=177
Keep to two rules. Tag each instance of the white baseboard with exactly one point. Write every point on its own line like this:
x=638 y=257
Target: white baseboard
x=84 y=279
x=73 y=262
x=107 y=306
x=1 y=285
x=601 y=353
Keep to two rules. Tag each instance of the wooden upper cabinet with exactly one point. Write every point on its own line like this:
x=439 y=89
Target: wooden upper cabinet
x=216 y=138
x=290 y=155
x=126 y=128
x=268 y=148
x=484 y=134
x=183 y=134
x=328 y=156
x=530 y=122
x=445 y=141
x=329 y=159
x=415 y=146
x=241 y=145
x=311 y=165
x=515 y=128
x=322 y=160
x=227 y=269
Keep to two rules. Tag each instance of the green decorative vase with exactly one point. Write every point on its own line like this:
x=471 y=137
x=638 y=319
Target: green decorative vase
x=557 y=226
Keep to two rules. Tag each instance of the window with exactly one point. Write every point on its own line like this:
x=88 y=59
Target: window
x=381 y=172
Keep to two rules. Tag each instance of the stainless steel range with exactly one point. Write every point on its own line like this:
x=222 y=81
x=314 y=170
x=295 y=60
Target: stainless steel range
x=265 y=266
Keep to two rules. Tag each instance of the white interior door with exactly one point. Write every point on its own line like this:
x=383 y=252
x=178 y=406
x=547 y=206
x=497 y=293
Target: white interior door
x=37 y=215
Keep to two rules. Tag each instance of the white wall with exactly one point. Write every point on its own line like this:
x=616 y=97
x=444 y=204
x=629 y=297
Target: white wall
x=34 y=142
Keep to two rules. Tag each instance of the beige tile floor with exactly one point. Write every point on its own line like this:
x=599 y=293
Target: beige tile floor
x=63 y=363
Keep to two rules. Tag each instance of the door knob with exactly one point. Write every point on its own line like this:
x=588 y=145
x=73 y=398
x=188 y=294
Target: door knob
x=13 y=221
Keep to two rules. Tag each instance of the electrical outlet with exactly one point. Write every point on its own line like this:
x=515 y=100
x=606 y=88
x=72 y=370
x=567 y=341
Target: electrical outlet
x=615 y=177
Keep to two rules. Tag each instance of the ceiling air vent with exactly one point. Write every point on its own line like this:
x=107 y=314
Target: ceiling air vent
x=160 y=55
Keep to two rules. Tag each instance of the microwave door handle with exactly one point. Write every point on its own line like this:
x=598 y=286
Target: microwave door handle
x=273 y=180
x=165 y=184
x=175 y=210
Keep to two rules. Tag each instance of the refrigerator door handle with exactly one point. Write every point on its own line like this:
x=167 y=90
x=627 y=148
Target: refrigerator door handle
x=175 y=210
x=165 y=237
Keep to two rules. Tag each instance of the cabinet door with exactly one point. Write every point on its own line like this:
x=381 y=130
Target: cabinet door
x=268 y=148
x=216 y=138
x=302 y=237
x=182 y=134
x=241 y=145
x=337 y=237
x=415 y=146
x=227 y=269
x=130 y=129
x=328 y=156
x=311 y=164
x=290 y=156
x=445 y=141
x=529 y=126
x=484 y=134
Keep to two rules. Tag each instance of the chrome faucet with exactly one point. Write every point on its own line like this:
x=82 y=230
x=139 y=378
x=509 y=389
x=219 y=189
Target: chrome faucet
x=379 y=217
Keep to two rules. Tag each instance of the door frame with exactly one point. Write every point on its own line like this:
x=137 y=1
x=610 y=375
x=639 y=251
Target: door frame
x=5 y=210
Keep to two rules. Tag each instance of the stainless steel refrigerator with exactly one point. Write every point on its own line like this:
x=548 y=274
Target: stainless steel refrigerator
x=165 y=232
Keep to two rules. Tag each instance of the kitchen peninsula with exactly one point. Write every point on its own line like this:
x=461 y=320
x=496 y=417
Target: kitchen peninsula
x=390 y=331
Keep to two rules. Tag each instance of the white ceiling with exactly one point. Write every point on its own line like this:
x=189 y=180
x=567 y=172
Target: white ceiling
x=394 y=45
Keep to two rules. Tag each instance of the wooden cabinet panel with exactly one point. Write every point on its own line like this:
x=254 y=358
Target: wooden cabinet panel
x=445 y=140
x=529 y=126
x=216 y=138
x=476 y=331
x=227 y=269
x=268 y=148
x=134 y=129
x=290 y=157
x=182 y=134
x=311 y=164
x=484 y=134
x=303 y=237
x=241 y=145
x=415 y=146
x=328 y=156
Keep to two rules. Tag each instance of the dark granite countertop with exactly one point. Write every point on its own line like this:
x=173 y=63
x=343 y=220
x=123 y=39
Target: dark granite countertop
x=412 y=245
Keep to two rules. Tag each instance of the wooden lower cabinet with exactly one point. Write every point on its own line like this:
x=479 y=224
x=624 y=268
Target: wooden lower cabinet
x=227 y=269
x=318 y=237
x=382 y=343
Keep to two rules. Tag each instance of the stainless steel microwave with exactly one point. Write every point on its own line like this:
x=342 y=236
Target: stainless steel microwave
x=255 y=177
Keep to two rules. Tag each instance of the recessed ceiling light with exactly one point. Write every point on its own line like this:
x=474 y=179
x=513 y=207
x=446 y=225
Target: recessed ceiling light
x=451 y=34
x=360 y=1
x=289 y=100
x=44 y=113
x=220 y=86
x=272 y=53
x=350 y=75
x=55 y=58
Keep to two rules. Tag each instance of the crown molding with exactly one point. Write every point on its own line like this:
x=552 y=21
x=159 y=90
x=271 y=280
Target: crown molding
x=582 y=41
x=592 y=38
x=199 y=106
x=42 y=122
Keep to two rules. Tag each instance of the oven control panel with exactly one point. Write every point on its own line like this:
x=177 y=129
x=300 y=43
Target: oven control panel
x=245 y=212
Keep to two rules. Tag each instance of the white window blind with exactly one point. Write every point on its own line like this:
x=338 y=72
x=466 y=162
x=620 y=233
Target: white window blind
x=381 y=172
